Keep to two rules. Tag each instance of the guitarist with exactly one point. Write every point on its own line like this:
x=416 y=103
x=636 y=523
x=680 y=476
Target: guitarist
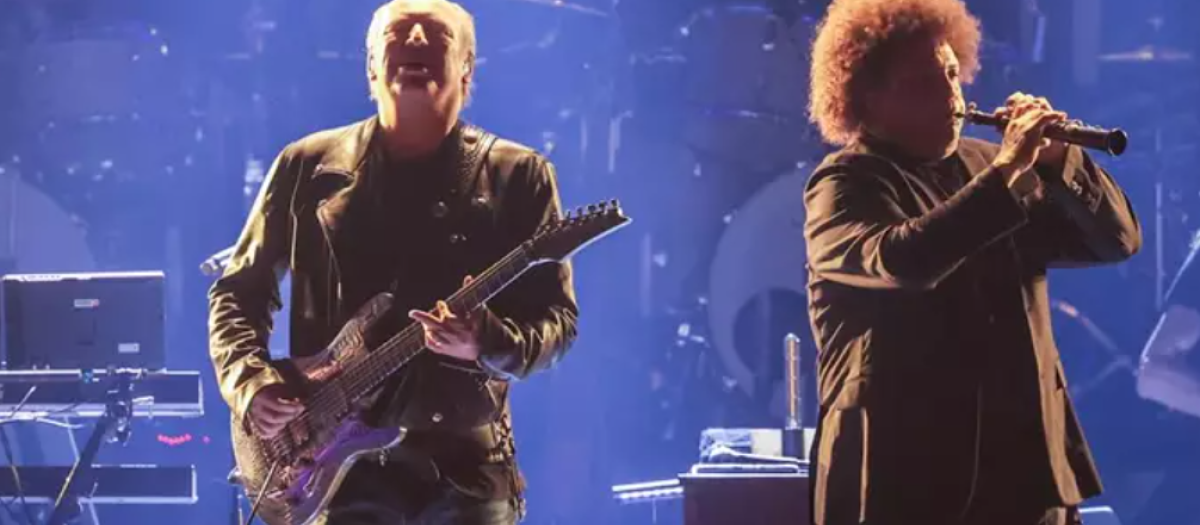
x=411 y=200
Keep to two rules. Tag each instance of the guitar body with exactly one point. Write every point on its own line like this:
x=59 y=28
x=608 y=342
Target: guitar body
x=306 y=479
x=310 y=487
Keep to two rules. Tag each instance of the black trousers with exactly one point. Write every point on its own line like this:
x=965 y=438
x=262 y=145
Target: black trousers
x=1051 y=516
x=398 y=494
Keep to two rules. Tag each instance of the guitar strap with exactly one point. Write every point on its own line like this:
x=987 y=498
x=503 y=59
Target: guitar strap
x=504 y=445
x=508 y=451
x=478 y=144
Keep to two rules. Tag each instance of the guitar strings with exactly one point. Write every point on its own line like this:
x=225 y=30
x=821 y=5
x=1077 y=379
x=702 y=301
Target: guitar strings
x=360 y=374
x=366 y=374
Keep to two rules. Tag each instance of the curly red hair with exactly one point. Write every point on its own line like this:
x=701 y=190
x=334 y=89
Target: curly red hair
x=851 y=50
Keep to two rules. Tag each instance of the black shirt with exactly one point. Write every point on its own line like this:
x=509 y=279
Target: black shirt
x=411 y=210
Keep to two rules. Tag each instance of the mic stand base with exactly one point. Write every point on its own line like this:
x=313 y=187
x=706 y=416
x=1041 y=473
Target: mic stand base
x=793 y=443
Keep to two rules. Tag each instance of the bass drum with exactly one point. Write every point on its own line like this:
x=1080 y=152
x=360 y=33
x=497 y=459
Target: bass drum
x=760 y=256
x=745 y=84
x=746 y=57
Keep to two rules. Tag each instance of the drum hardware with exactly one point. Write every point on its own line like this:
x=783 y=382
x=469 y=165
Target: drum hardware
x=1148 y=54
x=745 y=57
x=1157 y=62
x=1118 y=360
x=761 y=250
x=1164 y=374
x=567 y=6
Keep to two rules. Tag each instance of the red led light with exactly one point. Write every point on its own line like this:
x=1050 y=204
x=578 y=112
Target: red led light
x=175 y=441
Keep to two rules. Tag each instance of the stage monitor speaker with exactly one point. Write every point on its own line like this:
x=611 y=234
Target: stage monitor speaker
x=84 y=320
x=1099 y=516
x=774 y=499
x=744 y=499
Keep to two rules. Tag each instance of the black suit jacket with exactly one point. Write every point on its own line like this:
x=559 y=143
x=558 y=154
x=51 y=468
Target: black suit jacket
x=904 y=336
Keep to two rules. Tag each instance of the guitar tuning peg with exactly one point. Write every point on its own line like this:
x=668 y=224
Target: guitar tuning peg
x=592 y=208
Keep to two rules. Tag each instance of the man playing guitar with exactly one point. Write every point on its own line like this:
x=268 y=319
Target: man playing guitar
x=411 y=200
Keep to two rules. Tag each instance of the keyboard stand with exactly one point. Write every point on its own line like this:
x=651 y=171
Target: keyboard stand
x=117 y=413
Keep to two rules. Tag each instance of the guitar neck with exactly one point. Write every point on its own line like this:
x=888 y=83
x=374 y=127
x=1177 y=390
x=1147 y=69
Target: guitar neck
x=362 y=377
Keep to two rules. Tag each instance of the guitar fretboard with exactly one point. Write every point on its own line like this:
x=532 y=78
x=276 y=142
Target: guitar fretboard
x=363 y=376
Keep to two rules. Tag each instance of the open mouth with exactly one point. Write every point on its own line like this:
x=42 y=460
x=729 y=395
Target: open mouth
x=414 y=69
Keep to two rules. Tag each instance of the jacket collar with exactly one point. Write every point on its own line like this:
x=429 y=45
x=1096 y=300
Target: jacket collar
x=893 y=152
x=349 y=149
x=967 y=153
x=354 y=145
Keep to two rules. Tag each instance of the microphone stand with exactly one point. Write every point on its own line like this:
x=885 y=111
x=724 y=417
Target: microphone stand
x=8 y=252
x=117 y=413
x=215 y=263
x=793 y=426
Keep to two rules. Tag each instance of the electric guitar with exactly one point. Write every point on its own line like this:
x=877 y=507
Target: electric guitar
x=293 y=476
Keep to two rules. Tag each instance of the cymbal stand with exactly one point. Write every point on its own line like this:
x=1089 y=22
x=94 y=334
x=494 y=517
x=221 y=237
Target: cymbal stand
x=1158 y=165
x=8 y=222
x=1160 y=270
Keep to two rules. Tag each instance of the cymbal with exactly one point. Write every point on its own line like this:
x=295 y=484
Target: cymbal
x=559 y=4
x=1147 y=54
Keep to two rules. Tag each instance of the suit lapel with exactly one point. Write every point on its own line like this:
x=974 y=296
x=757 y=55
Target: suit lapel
x=336 y=211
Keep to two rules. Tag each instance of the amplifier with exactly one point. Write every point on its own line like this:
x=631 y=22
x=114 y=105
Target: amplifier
x=83 y=320
x=745 y=498
x=766 y=499
x=145 y=484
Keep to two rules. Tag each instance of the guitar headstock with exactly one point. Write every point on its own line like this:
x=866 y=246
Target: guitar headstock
x=580 y=227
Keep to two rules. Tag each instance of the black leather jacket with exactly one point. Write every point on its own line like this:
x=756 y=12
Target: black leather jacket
x=302 y=223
